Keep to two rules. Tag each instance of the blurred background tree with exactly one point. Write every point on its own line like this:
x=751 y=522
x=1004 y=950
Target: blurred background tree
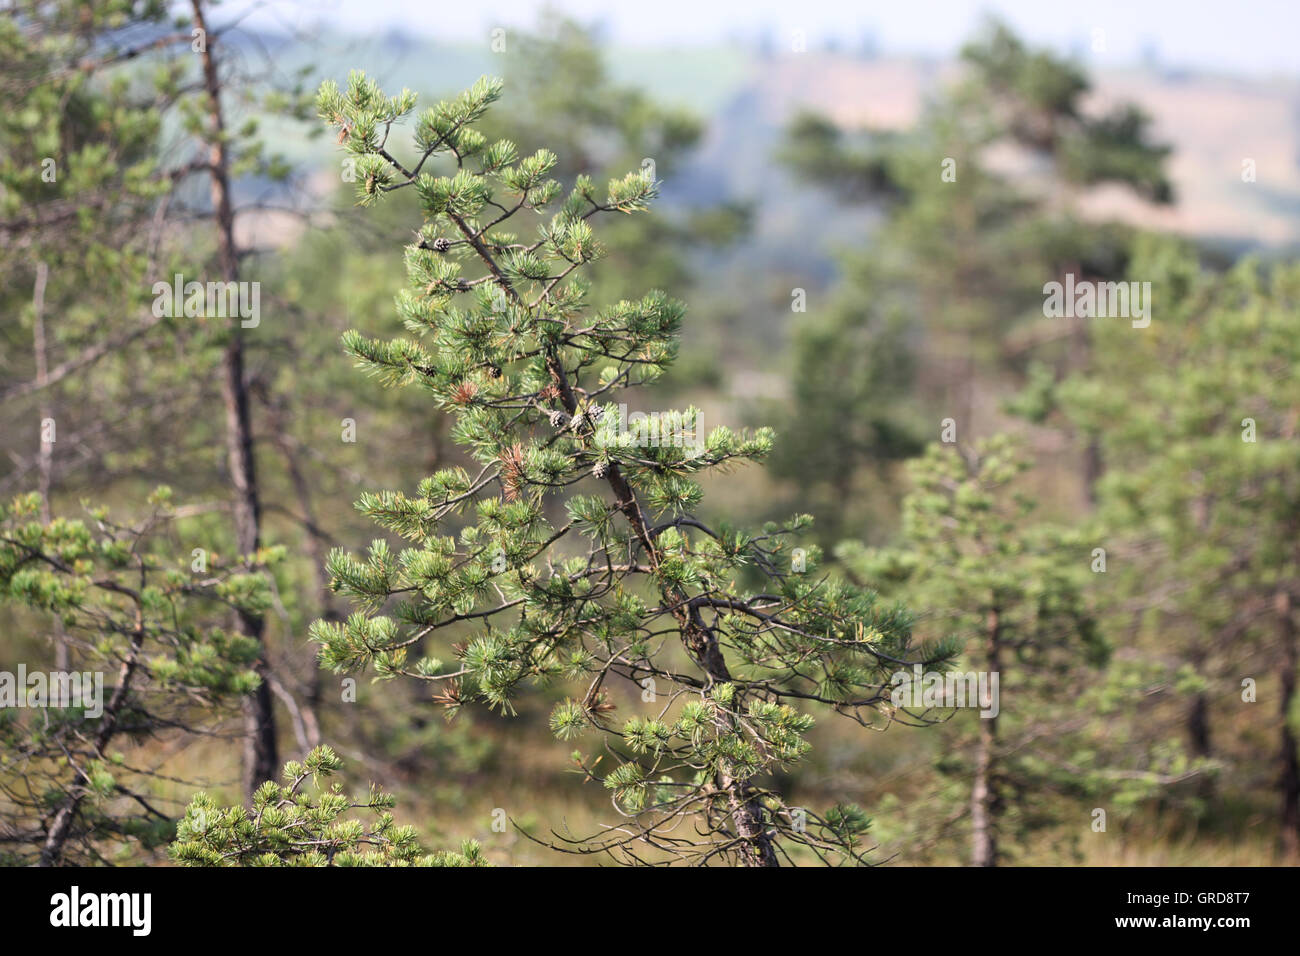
x=1197 y=421
x=946 y=298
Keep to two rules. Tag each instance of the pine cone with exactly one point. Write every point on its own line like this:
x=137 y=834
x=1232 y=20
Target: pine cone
x=601 y=469
x=441 y=244
x=557 y=419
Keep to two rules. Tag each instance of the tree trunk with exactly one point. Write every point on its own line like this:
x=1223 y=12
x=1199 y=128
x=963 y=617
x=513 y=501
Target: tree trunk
x=1198 y=725
x=60 y=829
x=1198 y=732
x=747 y=817
x=261 y=759
x=1092 y=470
x=1093 y=467
x=1290 y=776
x=1198 y=716
x=45 y=459
x=983 y=801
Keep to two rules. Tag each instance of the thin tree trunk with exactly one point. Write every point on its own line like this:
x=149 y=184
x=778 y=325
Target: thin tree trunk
x=1290 y=759
x=261 y=759
x=1093 y=467
x=56 y=837
x=316 y=555
x=1198 y=729
x=1198 y=716
x=983 y=801
x=1198 y=733
x=45 y=454
x=1198 y=726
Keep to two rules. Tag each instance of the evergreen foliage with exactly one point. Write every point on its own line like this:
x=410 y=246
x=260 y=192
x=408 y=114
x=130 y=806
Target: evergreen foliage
x=1197 y=420
x=141 y=625
x=1012 y=596
x=288 y=826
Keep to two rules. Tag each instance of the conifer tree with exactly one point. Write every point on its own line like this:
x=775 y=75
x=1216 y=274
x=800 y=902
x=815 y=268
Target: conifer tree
x=261 y=747
x=80 y=188
x=288 y=826
x=558 y=92
x=722 y=632
x=1012 y=595
x=75 y=789
x=129 y=108
x=1197 y=415
x=949 y=289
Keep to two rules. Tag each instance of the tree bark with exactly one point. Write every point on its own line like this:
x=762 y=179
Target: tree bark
x=1093 y=466
x=1290 y=759
x=1198 y=716
x=261 y=757
x=1198 y=726
x=983 y=801
x=1198 y=732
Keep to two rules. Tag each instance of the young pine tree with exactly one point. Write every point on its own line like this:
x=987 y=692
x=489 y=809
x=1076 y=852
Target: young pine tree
x=1012 y=594
x=571 y=550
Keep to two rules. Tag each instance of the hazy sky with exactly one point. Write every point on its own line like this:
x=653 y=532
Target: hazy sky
x=1245 y=36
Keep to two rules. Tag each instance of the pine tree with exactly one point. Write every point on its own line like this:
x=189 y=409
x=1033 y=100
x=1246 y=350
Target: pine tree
x=261 y=747
x=948 y=290
x=152 y=659
x=287 y=826
x=558 y=91
x=1012 y=594
x=129 y=109
x=1197 y=416
x=625 y=584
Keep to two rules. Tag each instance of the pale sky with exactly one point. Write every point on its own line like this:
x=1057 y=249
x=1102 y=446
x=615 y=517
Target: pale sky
x=1247 y=36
